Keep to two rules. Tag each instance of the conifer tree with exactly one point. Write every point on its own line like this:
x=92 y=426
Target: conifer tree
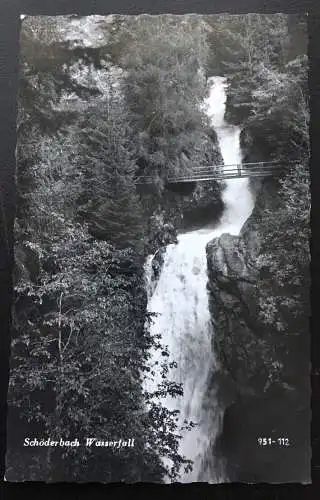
x=112 y=204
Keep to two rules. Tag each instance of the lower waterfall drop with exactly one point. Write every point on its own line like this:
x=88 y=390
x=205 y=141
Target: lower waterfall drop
x=181 y=301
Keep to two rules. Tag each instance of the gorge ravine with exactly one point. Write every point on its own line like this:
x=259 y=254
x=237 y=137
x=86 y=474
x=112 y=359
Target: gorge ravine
x=180 y=300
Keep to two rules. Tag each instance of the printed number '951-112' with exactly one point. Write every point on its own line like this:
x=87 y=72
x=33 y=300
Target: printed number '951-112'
x=268 y=441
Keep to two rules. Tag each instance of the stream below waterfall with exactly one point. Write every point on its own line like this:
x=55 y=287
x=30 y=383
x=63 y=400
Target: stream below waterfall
x=181 y=301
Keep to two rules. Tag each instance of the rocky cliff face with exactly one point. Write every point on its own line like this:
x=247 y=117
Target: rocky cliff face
x=263 y=373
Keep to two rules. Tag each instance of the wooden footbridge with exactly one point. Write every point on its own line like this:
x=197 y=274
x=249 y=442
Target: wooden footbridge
x=221 y=172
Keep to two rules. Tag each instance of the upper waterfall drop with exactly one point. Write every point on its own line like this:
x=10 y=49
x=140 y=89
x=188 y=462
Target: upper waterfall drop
x=215 y=104
x=237 y=197
x=181 y=301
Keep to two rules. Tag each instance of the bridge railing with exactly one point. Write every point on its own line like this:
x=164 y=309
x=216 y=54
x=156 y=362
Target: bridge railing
x=220 y=172
x=228 y=172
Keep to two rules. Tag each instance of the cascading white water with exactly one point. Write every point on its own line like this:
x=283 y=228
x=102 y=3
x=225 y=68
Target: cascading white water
x=181 y=301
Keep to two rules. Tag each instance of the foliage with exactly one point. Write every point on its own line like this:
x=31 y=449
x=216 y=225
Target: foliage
x=285 y=254
x=280 y=107
x=241 y=41
x=78 y=352
x=77 y=359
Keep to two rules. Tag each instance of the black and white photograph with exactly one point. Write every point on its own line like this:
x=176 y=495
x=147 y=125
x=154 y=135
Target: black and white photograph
x=161 y=310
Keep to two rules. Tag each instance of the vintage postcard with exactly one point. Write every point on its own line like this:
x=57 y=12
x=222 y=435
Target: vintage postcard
x=161 y=285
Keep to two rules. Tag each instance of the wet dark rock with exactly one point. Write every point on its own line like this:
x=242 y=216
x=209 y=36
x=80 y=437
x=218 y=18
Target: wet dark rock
x=157 y=263
x=161 y=233
x=27 y=262
x=205 y=206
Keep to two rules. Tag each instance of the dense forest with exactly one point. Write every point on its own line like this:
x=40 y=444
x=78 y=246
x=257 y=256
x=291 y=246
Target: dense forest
x=103 y=101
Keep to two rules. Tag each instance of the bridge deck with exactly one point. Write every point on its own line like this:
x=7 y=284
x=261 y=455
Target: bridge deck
x=221 y=172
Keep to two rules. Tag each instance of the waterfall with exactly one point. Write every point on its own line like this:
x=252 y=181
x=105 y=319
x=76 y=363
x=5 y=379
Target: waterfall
x=181 y=301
